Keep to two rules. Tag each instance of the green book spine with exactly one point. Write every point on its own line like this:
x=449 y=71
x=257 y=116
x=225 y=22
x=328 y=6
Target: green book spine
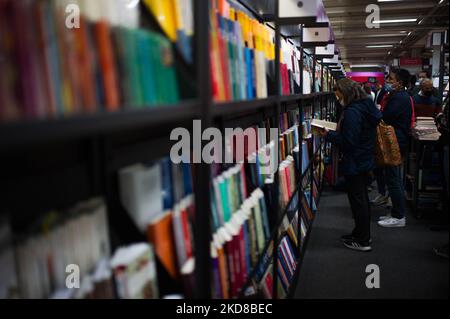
x=224 y=200
x=259 y=228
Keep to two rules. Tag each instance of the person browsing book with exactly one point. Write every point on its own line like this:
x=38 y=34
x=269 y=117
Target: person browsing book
x=355 y=138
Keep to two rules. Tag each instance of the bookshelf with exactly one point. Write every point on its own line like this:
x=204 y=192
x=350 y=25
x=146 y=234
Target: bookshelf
x=86 y=151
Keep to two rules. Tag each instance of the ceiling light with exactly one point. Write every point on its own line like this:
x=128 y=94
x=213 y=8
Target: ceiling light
x=365 y=66
x=379 y=46
x=388 y=0
x=395 y=21
x=440 y=2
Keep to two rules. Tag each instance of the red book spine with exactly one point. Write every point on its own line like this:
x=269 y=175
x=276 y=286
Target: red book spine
x=186 y=233
x=244 y=270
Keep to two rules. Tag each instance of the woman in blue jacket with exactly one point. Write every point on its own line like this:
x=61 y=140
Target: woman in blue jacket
x=355 y=137
x=398 y=112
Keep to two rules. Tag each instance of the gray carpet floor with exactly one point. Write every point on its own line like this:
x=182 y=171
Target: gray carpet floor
x=408 y=266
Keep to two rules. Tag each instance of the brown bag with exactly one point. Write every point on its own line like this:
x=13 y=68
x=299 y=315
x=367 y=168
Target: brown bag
x=386 y=146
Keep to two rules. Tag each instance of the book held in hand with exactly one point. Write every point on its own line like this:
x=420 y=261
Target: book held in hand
x=317 y=125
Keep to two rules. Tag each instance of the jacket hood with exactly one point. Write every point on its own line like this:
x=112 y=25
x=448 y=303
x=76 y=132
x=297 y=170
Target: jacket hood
x=369 y=110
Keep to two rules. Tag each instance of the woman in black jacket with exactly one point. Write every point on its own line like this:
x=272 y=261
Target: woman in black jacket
x=355 y=138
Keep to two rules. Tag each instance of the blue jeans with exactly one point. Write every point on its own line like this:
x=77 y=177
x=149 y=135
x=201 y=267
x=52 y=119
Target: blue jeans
x=380 y=178
x=396 y=191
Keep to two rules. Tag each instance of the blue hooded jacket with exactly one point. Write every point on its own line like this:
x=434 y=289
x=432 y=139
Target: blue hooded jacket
x=356 y=137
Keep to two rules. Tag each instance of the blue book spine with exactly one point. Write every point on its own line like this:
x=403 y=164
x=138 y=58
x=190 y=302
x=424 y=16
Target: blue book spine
x=166 y=171
x=248 y=60
x=187 y=178
x=252 y=54
x=53 y=54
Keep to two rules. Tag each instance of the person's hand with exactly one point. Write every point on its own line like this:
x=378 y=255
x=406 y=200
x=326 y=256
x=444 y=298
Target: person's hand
x=323 y=132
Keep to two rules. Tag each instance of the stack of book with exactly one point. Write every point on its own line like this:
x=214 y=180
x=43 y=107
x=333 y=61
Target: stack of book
x=425 y=129
x=287 y=179
x=238 y=245
x=49 y=69
x=241 y=52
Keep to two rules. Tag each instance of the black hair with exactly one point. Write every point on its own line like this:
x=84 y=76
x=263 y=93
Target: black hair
x=403 y=76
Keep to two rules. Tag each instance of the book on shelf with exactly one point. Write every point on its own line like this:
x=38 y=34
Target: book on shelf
x=107 y=64
x=266 y=284
x=159 y=199
x=241 y=232
x=287 y=179
x=287 y=265
x=176 y=19
x=77 y=237
x=149 y=190
x=134 y=270
x=240 y=51
x=305 y=156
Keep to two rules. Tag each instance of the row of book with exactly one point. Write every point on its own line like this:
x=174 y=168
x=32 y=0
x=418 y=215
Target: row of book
x=241 y=51
x=159 y=199
x=292 y=236
x=238 y=245
x=38 y=263
x=287 y=180
x=49 y=69
x=288 y=141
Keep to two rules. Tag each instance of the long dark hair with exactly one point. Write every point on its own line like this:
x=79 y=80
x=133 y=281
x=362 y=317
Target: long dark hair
x=351 y=90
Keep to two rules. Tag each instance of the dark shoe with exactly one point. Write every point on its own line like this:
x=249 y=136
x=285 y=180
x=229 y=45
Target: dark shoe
x=442 y=251
x=350 y=237
x=356 y=245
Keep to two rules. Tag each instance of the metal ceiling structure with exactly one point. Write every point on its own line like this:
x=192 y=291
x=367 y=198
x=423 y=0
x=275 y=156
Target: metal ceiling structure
x=356 y=42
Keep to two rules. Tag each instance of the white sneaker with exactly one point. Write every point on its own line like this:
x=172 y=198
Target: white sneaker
x=379 y=200
x=392 y=222
x=385 y=217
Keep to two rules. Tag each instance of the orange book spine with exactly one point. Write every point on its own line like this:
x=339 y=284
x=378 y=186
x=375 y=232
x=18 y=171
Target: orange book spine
x=160 y=234
x=107 y=65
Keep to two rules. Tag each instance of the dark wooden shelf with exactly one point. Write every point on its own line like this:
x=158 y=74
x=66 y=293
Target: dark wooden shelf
x=240 y=107
x=27 y=132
